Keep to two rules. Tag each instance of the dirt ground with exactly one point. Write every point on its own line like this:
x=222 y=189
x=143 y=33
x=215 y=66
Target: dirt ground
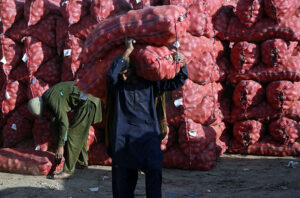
x=233 y=176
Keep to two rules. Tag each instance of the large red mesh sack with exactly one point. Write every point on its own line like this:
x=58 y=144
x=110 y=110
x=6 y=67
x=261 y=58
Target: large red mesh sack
x=10 y=52
x=44 y=30
x=36 y=53
x=244 y=56
x=174 y=158
x=196 y=102
x=36 y=10
x=94 y=79
x=193 y=138
x=152 y=25
x=263 y=73
x=17 y=128
x=36 y=87
x=205 y=70
x=43 y=135
x=73 y=10
x=248 y=93
x=284 y=130
x=101 y=10
x=193 y=47
x=20 y=73
x=50 y=71
x=81 y=30
x=26 y=161
x=262 y=112
x=249 y=11
x=248 y=132
x=276 y=51
x=72 y=50
x=12 y=95
x=11 y=11
x=280 y=10
x=262 y=30
x=155 y=63
x=282 y=94
x=99 y=156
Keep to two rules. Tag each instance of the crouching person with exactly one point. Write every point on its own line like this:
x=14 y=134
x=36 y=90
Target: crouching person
x=71 y=138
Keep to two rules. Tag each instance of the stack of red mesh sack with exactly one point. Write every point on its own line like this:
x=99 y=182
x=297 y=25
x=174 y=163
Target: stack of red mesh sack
x=195 y=112
x=264 y=71
x=43 y=42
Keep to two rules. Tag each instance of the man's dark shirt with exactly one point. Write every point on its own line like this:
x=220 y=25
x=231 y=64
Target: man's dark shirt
x=135 y=129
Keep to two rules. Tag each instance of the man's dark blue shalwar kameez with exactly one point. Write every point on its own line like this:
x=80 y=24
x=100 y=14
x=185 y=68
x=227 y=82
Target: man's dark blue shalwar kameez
x=134 y=139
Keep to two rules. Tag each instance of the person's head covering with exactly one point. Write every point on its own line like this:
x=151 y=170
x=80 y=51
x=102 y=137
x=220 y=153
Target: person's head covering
x=35 y=106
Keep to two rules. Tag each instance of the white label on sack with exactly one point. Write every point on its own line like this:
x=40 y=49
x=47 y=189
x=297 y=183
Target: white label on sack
x=7 y=96
x=3 y=60
x=37 y=148
x=178 y=102
x=192 y=133
x=138 y=1
x=67 y=52
x=33 y=80
x=0 y=19
x=14 y=127
x=176 y=44
x=25 y=58
x=64 y=3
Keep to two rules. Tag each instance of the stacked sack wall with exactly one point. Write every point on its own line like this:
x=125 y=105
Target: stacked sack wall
x=65 y=40
x=264 y=74
x=49 y=41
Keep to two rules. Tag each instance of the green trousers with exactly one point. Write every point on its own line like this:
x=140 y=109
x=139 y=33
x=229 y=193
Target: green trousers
x=75 y=149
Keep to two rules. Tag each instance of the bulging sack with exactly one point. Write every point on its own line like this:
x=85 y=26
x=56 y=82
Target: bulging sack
x=12 y=95
x=11 y=12
x=285 y=130
x=276 y=51
x=248 y=132
x=36 y=10
x=25 y=161
x=158 y=25
x=248 y=93
x=282 y=94
x=249 y=11
x=73 y=10
x=155 y=63
x=244 y=56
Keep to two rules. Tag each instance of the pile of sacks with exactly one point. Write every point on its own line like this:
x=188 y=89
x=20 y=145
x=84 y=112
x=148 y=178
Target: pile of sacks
x=265 y=70
x=43 y=42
